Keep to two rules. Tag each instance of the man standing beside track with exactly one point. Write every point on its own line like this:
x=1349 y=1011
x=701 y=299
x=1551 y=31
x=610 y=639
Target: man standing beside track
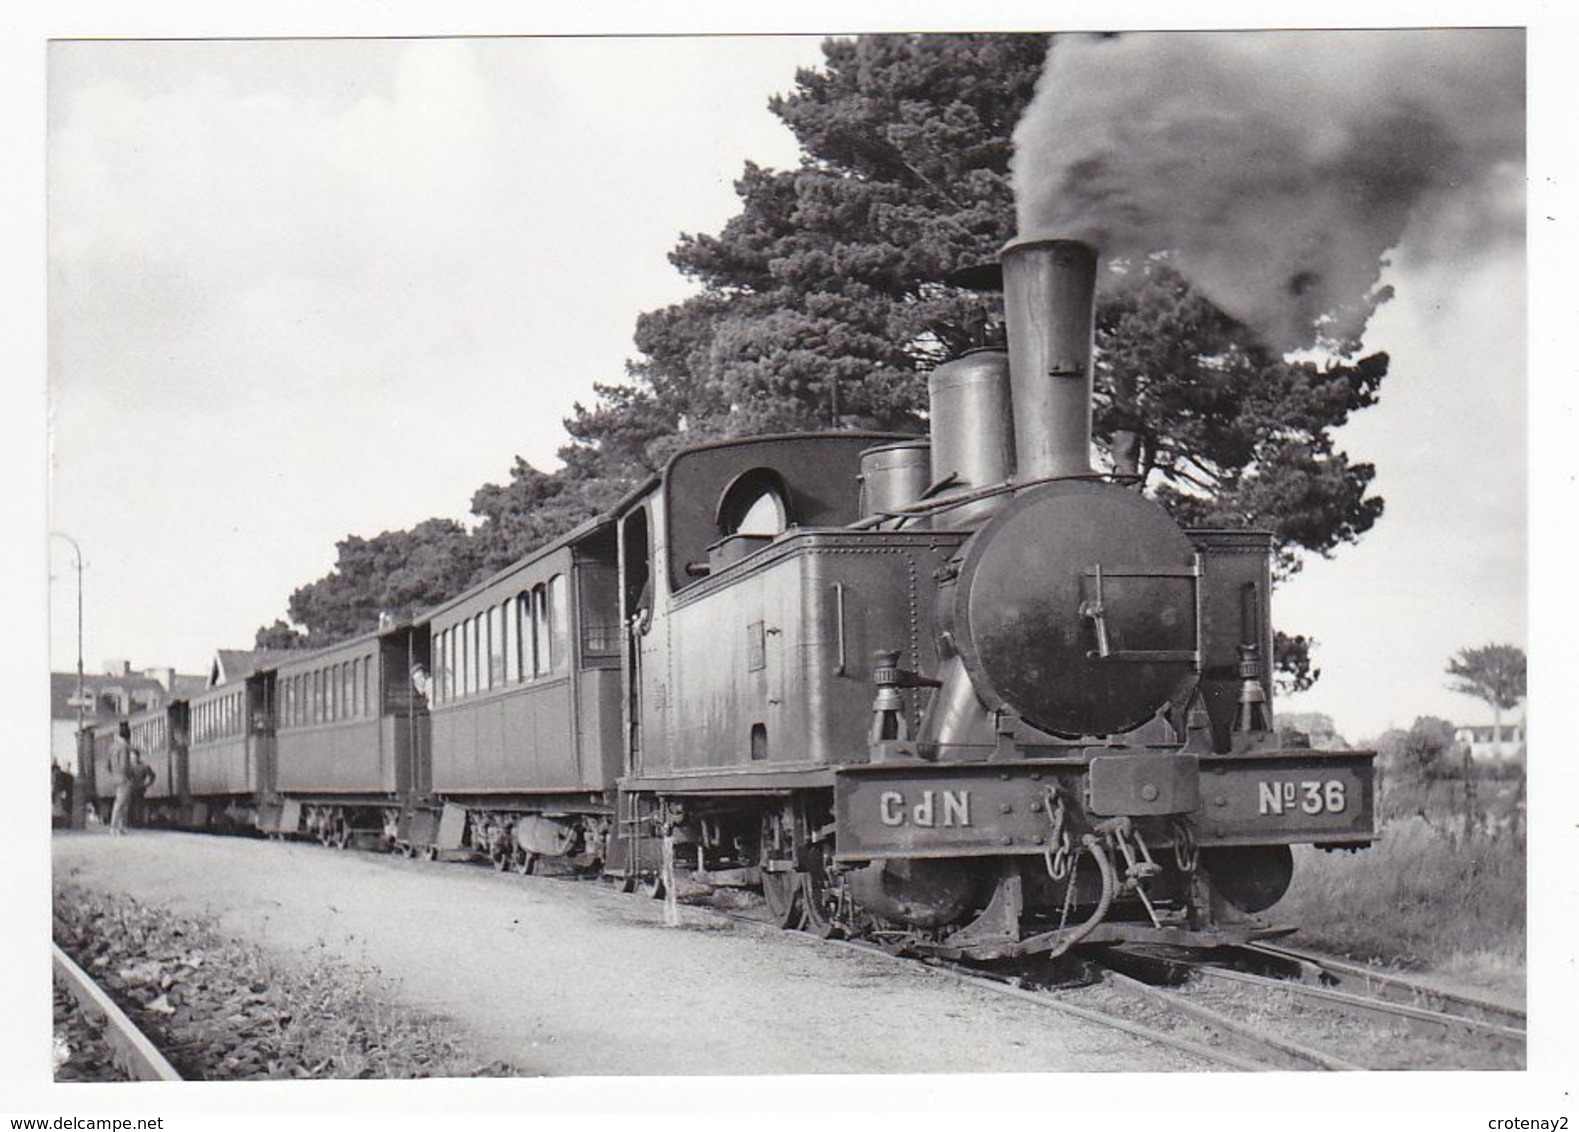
x=122 y=777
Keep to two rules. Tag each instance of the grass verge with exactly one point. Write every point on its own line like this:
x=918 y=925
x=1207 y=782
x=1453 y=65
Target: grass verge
x=1425 y=895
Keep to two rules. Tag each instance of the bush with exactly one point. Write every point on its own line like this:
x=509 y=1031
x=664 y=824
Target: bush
x=1426 y=894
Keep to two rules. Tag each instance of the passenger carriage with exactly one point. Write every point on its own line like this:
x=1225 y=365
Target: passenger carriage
x=230 y=750
x=526 y=708
x=160 y=734
x=350 y=737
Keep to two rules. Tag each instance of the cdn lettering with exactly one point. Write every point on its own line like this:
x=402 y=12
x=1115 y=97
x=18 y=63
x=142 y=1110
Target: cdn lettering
x=954 y=811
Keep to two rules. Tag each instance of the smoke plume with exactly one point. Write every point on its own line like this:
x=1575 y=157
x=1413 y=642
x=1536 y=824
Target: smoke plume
x=1279 y=168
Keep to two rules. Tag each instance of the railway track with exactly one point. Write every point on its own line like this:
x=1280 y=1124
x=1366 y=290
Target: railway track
x=1229 y=1045
x=1451 y=1009
x=1334 y=989
x=1216 y=1035
x=1222 y=1037
x=130 y=1048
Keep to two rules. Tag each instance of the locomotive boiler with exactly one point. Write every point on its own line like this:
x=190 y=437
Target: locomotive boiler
x=994 y=703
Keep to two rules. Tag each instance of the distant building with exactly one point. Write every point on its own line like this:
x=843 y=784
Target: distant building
x=1487 y=745
x=116 y=693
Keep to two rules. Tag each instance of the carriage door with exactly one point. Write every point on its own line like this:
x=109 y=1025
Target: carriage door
x=636 y=569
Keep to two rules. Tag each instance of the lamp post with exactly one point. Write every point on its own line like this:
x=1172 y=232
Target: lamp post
x=79 y=782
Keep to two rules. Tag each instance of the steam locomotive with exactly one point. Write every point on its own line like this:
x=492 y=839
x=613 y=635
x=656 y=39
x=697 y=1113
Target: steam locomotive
x=963 y=693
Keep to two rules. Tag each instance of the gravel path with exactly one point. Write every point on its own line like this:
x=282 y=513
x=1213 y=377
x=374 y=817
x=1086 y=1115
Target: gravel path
x=559 y=977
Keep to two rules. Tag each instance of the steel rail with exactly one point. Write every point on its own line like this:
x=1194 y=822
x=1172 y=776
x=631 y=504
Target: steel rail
x=1391 y=986
x=996 y=985
x=1048 y=1001
x=1290 y=1054
x=1346 y=1002
x=129 y=1046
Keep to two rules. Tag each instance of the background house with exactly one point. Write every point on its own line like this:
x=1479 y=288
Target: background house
x=115 y=693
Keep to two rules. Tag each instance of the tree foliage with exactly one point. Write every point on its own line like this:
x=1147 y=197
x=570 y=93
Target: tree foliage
x=397 y=572
x=834 y=291
x=1493 y=673
x=1423 y=752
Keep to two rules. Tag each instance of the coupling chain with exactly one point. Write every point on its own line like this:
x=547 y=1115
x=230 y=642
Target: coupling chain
x=1186 y=853
x=1059 y=853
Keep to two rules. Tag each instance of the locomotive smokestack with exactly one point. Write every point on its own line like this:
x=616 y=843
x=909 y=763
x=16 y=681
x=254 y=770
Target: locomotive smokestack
x=1049 y=294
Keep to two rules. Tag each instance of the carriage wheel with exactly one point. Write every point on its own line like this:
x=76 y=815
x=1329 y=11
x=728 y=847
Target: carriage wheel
x=430 y=852
x=525 y=863
x=653 y=885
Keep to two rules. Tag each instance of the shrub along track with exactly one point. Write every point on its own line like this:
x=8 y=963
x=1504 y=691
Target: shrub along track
x=220 y=1010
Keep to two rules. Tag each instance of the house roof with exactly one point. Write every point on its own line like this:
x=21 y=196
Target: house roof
x=238 y=664
x=63 y=689
x=183 y=686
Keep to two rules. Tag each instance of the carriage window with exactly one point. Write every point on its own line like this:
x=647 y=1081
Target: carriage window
x=559 y=621
x=496 y=645
x=544 y=648
x=479 y=654
x=367 y=686
x=511 y=616
x=598 y=615
x=523 y=605
x=485 y=650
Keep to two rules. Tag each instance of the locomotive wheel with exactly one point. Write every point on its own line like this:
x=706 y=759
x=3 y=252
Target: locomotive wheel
x=430 y=853
x=500 y=859
x=781 y=888
x=782 y=891
x=653 y=886
x=819 y=897
x=626 y=883
x=524 y=863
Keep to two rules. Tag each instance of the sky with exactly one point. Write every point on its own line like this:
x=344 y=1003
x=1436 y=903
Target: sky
x=304 y=289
